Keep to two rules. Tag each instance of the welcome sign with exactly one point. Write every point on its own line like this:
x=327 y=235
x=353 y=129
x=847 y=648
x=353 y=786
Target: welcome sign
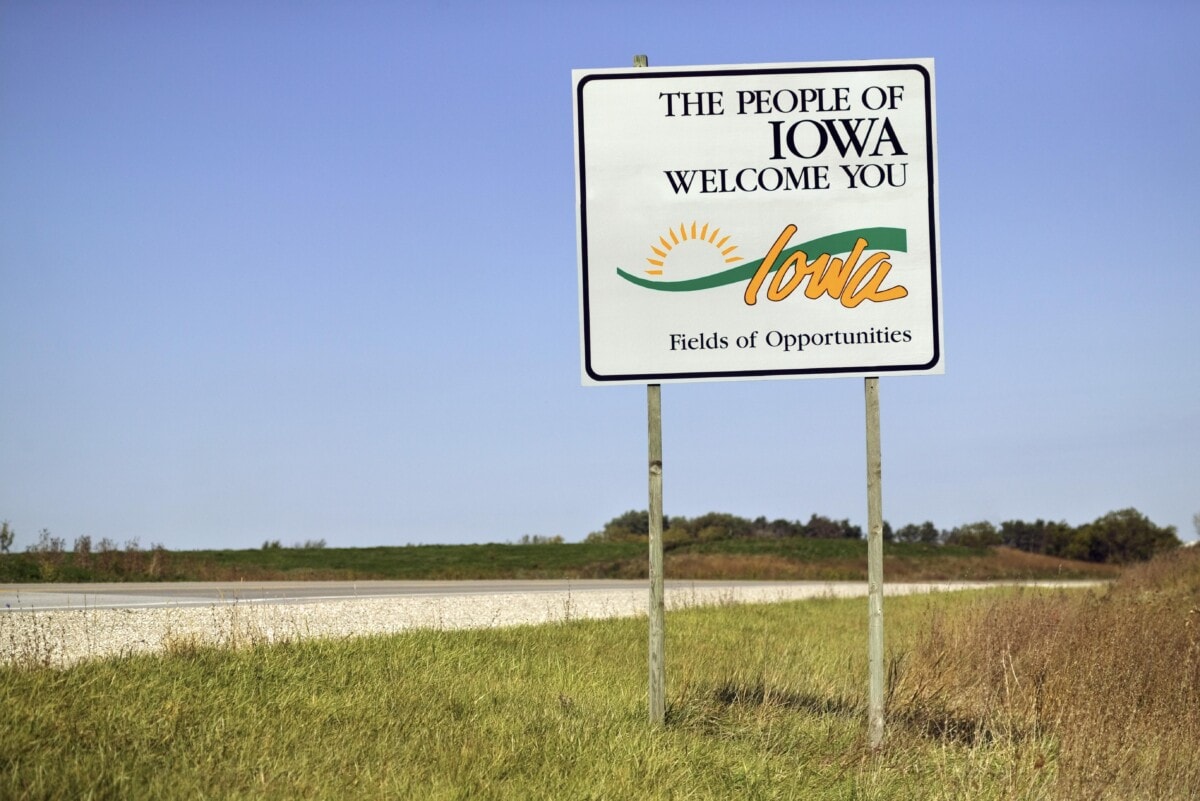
x=762 y=221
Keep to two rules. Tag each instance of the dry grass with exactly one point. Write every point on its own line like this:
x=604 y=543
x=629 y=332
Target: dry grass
x=1001 y=564
x=1004 y=563
x=1113 y=679
x=763 y=567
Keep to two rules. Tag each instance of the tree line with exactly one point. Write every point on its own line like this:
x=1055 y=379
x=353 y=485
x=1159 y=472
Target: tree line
x=1118 y=537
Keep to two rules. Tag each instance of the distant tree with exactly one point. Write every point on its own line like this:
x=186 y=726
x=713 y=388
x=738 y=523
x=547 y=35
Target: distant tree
x=790 y=528
x=1124 y=536
x=47 y=543
x=1039 y=536
x=679 y=532
x=1078 y=544
x=7 y=535
x=824 y=528
x=1059 y=539
x=1024 y=536
x=719 y=526
x=630 y=526
x=83 y=545
x=926 y=532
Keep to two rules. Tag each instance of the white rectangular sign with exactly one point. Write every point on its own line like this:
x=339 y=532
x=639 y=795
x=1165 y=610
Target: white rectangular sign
x=757 y=221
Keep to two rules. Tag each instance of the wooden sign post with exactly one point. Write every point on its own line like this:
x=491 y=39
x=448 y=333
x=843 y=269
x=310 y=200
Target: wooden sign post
x=658 y=670
x=874 y=567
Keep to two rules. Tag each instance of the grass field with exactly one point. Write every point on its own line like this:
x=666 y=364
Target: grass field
x=997 y=695
x=793 y=558
x=764 y=702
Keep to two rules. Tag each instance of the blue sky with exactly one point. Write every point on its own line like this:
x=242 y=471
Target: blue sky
x=308 y=270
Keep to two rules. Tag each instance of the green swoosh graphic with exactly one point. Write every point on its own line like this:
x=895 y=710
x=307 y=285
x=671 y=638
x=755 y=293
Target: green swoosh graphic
x=877 y=239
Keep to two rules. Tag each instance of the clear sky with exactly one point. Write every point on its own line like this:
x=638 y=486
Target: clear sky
x=308 y=270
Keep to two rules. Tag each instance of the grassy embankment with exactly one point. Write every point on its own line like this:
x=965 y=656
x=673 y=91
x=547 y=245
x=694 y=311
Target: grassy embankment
x=996 y=695
x=793 y=558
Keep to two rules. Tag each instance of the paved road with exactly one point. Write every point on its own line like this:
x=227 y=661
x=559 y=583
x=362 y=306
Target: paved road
x=45 y=597
x=205 y=593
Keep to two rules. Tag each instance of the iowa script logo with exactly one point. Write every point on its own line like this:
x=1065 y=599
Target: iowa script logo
x=861 y=275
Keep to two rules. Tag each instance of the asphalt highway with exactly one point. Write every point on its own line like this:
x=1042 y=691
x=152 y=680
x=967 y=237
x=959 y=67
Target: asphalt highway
x=50 y=597
x=154 y=595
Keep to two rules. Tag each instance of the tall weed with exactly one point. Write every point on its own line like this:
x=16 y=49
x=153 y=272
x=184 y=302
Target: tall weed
x=1112 y=677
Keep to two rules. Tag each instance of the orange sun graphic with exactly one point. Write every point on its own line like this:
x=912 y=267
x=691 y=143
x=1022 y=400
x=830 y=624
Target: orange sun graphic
x=685 y=233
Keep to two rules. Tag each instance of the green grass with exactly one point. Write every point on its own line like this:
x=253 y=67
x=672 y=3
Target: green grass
x=794 y=558
x=763 y=702
x=422 y=561
x=488 y=561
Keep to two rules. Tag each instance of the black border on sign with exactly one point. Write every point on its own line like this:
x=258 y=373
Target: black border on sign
x=581 y=177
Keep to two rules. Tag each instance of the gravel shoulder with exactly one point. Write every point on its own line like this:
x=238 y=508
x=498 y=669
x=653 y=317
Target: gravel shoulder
x=61 y=637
